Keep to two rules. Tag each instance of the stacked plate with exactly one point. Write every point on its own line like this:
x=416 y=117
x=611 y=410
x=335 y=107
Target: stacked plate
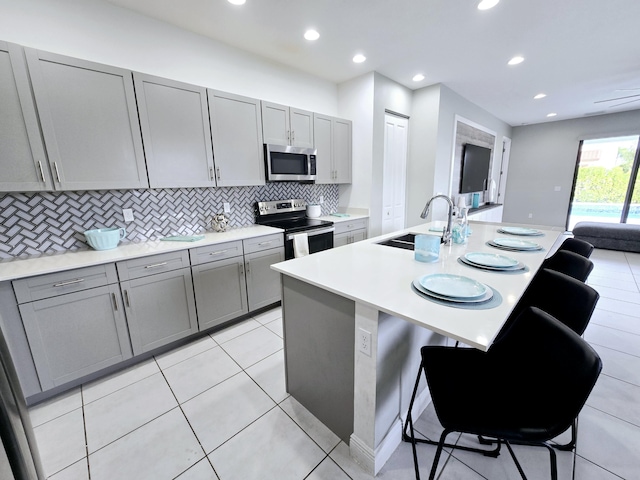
x=453 y=288
x=514 y=245
x=527 y=232
x=492 y=261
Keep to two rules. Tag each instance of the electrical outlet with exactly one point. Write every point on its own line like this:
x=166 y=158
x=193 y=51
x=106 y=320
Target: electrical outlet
x=227 y=207
x=321 y=200
x=127 y=213
x=364 y=341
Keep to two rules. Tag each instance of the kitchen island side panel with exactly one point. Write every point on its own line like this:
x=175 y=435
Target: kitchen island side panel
x=319 y=344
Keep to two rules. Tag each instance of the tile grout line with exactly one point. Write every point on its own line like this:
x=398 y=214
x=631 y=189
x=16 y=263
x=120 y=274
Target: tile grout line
x=188 y=423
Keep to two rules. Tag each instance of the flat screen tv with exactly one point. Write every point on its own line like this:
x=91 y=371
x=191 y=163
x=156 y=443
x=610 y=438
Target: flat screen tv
x=475 y=168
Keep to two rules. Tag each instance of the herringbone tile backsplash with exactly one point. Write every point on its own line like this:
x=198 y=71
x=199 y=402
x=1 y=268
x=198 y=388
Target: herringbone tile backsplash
x=33 y=224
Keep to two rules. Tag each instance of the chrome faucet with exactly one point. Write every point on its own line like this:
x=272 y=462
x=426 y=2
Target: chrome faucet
x=446 y=234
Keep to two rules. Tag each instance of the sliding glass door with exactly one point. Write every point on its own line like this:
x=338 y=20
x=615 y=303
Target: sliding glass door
x=604 y=184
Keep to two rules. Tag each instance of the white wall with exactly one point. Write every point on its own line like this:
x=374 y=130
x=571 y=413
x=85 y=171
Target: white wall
x=101 y=32
x=423 y=147
x=544 y=156
x=355 y=102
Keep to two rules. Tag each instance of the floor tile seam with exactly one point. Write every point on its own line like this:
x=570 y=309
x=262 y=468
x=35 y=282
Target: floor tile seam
x=597 y=465
x=237 y=336
x=241 y=430
x=626 y=382
x=55 y=418
x=258 y=361
x=130 y=431
x=155 y=357
x=622 y=301
x=326 y=455
x=634 y=425
x=121 y=388
x=595 y=322
x=337 y=464
x=305 y=432
x=609 y=347
x=260 y=386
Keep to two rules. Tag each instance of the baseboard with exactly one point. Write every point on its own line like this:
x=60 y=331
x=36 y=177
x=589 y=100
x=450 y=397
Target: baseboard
x=372 y=461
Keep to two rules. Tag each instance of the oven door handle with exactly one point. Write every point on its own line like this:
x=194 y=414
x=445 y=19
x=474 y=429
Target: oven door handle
x=312 y=233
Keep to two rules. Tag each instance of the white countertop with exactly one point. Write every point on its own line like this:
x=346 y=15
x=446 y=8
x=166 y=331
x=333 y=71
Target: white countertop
x=351 y=217
x=85 y=258
x=380 y=276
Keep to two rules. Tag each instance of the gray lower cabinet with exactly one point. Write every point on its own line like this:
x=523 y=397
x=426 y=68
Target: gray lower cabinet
x=89 y=122
x=74 y=327
x=159 y=300
x=349 y=232
x=23 y=160
x=176 y=132
x=236 y=132
x=263 y=284
x=221 y=292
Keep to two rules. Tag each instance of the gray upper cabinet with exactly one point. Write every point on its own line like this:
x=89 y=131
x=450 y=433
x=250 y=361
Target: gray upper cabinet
x=89 y=123
x=158 y=298
x=284 y=125
x=236 y=131
x=176 y=132
x=332 y=138
x=22 y=156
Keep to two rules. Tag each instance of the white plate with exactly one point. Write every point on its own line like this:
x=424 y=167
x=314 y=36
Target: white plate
x=423 y=291
x=519 y=267
x=520 y=231
x=491 y=260
x=453 y=286
x=515 y=243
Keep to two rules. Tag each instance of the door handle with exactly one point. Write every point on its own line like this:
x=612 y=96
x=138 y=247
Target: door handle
x=126 y=298
x=115 y=302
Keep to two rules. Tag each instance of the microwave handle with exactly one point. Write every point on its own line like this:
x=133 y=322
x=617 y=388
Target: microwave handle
x=313 y=233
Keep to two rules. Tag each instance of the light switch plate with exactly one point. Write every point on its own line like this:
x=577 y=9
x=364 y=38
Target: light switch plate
x=128 y=214
x=227 y=207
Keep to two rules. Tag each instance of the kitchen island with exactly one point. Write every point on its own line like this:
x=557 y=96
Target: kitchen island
x=353 y=328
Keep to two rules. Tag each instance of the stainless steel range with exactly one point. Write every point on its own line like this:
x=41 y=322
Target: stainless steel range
x=290 y=215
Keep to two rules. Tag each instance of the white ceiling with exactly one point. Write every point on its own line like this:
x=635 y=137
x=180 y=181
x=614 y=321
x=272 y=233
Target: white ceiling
x=578 y=52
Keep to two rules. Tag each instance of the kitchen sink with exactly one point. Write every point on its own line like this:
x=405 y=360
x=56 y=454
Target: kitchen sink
x=405 y=241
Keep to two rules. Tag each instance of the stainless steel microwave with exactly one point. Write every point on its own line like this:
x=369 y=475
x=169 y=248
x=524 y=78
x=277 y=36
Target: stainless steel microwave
x=285 y=163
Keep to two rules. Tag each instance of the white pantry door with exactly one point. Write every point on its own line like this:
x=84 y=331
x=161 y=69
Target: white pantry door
x=395 y=177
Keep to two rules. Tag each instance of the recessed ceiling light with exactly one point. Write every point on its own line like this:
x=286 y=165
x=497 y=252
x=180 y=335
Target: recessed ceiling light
x=487 y=4
x=237 y=2
x=516 y=60
x=551 y=114
x=539 y=96
x=418 y=78
x=359 y=58
x=311 y=35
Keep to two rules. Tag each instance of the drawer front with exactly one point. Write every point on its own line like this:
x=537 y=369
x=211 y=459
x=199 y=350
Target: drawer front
x=219 y=251
x=60 y=283
x=263 y=243
x=349 y=225
x=141 y=267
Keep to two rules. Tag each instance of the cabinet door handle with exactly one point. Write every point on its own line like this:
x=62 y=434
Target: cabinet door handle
x=241 y=269
x=248 y=267
x=218 y=173
x=41 y=171
x=115 y=302
x=55 y=166
x=219 y=252
x=70 y=282
x=288 y=137
x=261 y=244
x=156 y=265
x=211 y=177
x=126 y=298
x=293 y=137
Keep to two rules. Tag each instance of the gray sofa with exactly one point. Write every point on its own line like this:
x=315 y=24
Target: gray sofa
x=611 y=236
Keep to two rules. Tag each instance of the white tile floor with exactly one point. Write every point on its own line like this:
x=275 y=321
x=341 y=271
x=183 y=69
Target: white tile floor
x=217 y=408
